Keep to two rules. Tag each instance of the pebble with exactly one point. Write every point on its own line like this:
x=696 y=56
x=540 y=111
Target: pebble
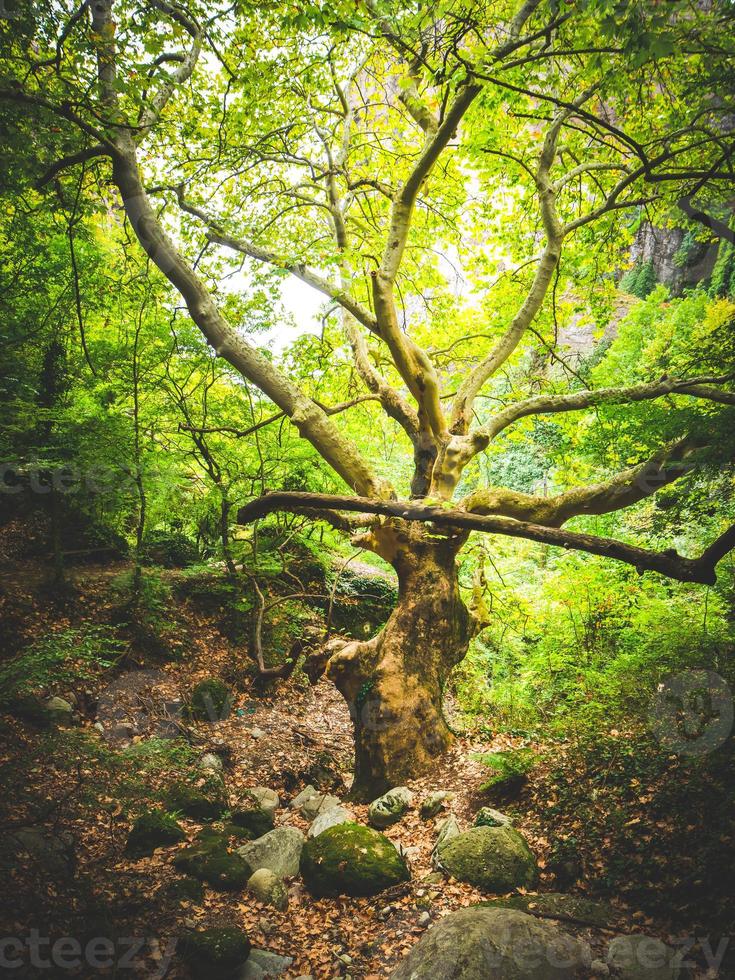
x=256 y=733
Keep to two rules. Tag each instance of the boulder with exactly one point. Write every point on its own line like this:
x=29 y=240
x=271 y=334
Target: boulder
x=52 y=853
x=330 y=818
x=151 y=830
x=556 y=905
x=210 y=700
x=267 y=798
x=502 y=944
x=60 y=710
x=306 y=794
x=317 y=804
x=209 y=860
x=390 y=807
x=262 y=964
x=269 y=889
x=201 y=802
x=186 y=890
x=487 y=817
x=255 y=821
x=495 y=859
x=434 y=804
x=642 y=958
x=211 y=762
x=279 y=851
x=215 y=954
x=350 y=859
x=448 y=829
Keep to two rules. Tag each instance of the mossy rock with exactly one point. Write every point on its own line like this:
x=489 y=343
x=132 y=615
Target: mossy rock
x=495 y=859
x=350 y=859
x=556 y=905
x=30 y=710
x=217 y=953
x=186 y=890
x=209 y=860
x=254 y=821
x=509 y=772
x=151 y=830
x=210 y=700
x=205 y=802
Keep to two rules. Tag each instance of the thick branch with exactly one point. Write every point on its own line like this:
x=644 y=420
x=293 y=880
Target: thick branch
x=667 y=563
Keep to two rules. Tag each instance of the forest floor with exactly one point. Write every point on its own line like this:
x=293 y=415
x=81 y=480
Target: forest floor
x=600 y=824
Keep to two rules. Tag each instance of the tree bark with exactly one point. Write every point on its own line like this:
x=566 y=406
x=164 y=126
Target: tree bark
x=393 y=683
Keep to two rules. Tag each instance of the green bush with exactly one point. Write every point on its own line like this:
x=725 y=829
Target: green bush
x=170 y=549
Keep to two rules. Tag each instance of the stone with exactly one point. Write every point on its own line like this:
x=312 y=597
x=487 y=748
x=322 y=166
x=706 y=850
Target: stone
x=267 y=798
x=642 y=958
x=556 y=905
x=99 y=727
x=487 y=817
x=447 y=830
x=495 y=859
x=60 y=710
x=298 y=801
x=204 y=802
x=256 y=733
x=477 y=944
x=350 y=859
x=262 y=964
x=269 y=889
x=186 y=890
x=255 y=821
x=318 y=804
x=151 y=830
x=390 y=807
x=434 y=804
x=424 y=920
x=599 y=969
x=209 y=860
x=330 y=818
x=211 y=762
x=279 y=850
x=52 y=853
x=210 y=700
x=215 y=954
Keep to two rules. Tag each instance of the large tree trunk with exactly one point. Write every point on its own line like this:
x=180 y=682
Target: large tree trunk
x=393 y=683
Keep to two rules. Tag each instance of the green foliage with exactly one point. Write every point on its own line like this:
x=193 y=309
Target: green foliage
x=640 y=280
x=722 y=281
x=170 y=549
x=63 y=658
x=510 y=769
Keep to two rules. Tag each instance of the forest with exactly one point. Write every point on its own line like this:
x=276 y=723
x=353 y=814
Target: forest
x=367 y=524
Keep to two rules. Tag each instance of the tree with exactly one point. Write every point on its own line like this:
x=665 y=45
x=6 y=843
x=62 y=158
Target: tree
x=345 y=145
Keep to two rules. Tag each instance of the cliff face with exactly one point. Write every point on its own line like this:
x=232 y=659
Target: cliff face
x=678 y=260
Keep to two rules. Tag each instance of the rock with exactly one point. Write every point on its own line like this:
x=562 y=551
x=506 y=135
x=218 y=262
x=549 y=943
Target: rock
x=151 y=830
x=210 y=700
x=330 y=818
x=495 y=859
x=642 y=958
x=269 y=889
x=424 y=920
x=255 y=821
x=32 y=710
x=209 y=860
x=99 y=727
x=479 y=944
x=350 y=859
x=555 y=905
x=433 y=804
x=447 y=830
x=317 y=804
x=215 y=954
x=279 y=851
x=60 y=710
x=256 y=733
x=266 y=798
x=306 y=794
x=263 y=963
x=52 y=853
x=599 y=969
x=204 y=802
x=211 y=762
x=487 y=817
x=390 y=807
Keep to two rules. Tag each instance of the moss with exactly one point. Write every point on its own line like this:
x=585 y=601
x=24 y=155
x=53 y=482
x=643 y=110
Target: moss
x=350 y=859
x=210 y=700
x=151 y=830
x=510 y=771
x=204 y=802
x=215 y=953
x=254 y=821
x=186 y=890
x=209 y=860
x=496 y=859
x=554 y=905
